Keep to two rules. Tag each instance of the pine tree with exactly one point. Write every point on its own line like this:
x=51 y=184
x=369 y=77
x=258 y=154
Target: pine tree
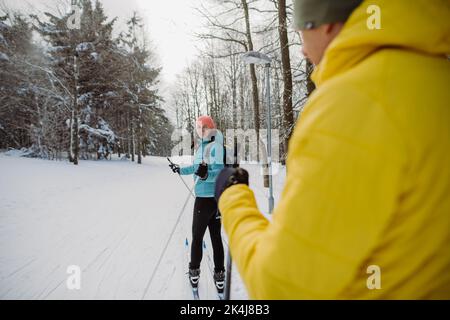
x=83 y=64
x=141 y=95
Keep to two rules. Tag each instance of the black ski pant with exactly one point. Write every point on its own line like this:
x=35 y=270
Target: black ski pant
x=206 y=215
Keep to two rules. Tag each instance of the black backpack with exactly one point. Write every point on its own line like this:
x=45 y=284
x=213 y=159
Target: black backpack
x=230 y=159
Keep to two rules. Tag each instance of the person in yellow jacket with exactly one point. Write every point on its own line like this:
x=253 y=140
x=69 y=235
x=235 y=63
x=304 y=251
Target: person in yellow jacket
x=365 y=210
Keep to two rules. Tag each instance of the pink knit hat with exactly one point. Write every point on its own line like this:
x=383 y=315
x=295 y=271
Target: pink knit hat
x=206 y=121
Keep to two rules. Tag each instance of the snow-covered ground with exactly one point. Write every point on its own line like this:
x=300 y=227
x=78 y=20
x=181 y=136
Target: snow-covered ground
x=110 y=218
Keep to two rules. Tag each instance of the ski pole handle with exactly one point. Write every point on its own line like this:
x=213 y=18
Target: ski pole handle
x=175 y=168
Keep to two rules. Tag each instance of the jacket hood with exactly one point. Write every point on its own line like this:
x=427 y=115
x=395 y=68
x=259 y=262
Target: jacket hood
x=419 y=25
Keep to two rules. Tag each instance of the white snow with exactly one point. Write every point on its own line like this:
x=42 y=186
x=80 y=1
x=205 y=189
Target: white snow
x=50 y=29
x=110 y=218
x=95 y=56
x=17 y=153
x=4 y=57
x=57 y=48
x=4 y=26
x=109 y=94
x=105 y=132
x=84 y=46
x=84 y=98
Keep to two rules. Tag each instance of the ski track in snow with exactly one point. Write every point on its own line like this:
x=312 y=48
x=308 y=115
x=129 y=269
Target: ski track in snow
x=110 y=218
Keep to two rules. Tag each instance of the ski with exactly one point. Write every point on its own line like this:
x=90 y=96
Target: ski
x=194 y=292
x=220 y=293
x=194 y=289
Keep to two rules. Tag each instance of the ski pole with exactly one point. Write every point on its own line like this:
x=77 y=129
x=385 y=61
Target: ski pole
x=228 y=276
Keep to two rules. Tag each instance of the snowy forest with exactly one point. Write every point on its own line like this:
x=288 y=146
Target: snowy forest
x=79 y=93
x=85 y=93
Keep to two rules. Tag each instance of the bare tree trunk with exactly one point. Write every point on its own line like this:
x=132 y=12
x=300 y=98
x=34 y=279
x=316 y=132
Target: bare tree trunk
x=242 y=100
x=133 y=143
x=205 y=87
x=77 y=142
x=75 y=108
x=233 y=81
x=128 y=134
x=287 y=75
x=71 y=136
x=280 y=119
x=252 y=76
x=139 y=139
x=216 y=91
x=118 y=148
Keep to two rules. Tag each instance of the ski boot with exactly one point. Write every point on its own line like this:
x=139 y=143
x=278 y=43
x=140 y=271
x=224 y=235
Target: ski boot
x=219 y=280
x=194 y=277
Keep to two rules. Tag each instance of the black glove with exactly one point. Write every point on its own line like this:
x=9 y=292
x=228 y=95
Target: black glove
x=202 y=171
x=175 y=168
x=229 y=177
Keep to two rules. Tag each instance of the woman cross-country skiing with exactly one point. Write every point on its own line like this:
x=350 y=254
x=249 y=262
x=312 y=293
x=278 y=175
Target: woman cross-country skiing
x=208 y=162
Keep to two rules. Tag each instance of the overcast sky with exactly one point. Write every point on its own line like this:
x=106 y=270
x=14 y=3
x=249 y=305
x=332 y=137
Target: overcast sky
x=170 y=25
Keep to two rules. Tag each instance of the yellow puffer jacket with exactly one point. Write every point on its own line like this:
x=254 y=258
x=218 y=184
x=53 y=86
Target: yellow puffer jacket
x=368 y=180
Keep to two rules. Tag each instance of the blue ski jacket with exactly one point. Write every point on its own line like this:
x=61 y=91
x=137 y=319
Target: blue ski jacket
x=210 y=151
